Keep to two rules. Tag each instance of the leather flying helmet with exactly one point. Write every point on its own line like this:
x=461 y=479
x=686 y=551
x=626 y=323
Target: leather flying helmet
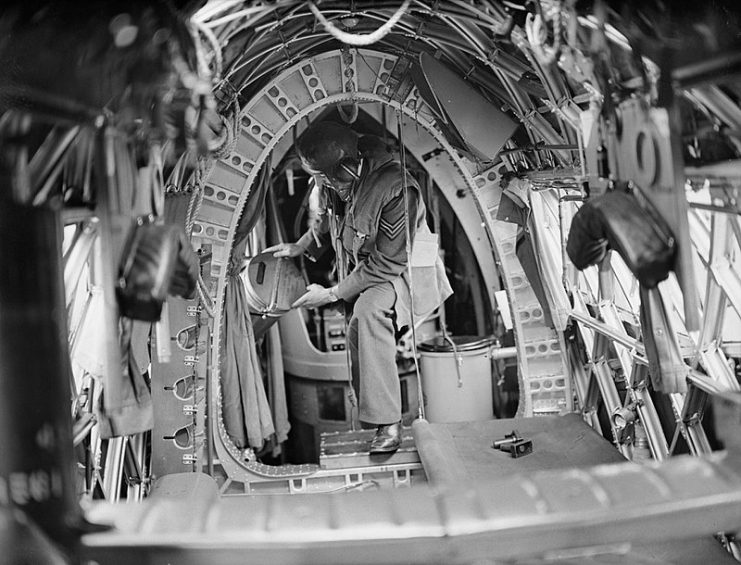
x=330 y=151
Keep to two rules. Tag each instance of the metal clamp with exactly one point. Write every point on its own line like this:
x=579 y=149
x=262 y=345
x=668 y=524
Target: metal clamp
x=516 y=445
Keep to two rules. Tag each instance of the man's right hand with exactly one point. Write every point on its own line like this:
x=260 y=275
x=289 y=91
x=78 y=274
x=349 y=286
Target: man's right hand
x=286 y=250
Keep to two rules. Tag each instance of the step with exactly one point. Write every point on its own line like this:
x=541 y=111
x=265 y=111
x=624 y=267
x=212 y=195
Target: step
x=343 y=450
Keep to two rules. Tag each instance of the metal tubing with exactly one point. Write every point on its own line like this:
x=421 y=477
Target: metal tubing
x=113 y=470
x=651 y=423
x=607 y=387
x=503 y=352
x=637 y=350
x=699 y=443
x=611 y=399
x=713 y=208
x=49 y=160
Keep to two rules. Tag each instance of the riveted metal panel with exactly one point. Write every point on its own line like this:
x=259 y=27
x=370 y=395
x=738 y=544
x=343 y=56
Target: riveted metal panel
x=329 y=70
x=369 y=67
x=295 y=88
x=282 y=100
x=249 y=146
x=313 y=81
x=227 y=177
x=217 y=215
x=269 y=116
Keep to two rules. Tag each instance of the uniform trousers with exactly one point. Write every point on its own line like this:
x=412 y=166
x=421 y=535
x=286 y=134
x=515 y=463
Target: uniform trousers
x=371 y=339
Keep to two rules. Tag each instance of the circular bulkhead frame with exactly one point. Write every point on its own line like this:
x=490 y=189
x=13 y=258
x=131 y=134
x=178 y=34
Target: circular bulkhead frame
x=361 y=76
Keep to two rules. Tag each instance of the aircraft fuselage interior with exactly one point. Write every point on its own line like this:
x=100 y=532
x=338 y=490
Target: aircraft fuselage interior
x=183 y=380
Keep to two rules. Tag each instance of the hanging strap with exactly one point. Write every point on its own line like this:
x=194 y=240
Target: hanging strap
x=408 y=224
x=342 y=271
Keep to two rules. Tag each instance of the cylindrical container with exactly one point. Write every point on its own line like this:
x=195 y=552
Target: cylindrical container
x=462 y=394
x=272 y=284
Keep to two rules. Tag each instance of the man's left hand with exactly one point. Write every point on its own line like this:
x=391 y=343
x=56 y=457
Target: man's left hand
x=316 y=295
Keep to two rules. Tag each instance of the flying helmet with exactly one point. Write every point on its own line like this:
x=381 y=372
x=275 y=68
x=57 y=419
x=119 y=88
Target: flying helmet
x=329 y=150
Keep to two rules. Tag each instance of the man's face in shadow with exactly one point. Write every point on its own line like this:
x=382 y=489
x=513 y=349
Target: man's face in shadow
x=340 y=178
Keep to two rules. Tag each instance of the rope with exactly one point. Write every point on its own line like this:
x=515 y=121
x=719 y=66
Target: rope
x=537 y=34
x=359 y=40
x=205 y=298
x=231 y=127
x=348 y=118
x=405 y=191
x=194 y=207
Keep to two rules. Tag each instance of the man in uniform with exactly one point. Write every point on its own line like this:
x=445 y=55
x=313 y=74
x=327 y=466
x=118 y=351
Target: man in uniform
x=365 y=218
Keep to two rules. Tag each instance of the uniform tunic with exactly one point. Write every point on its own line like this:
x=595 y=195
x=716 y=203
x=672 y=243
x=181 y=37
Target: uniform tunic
x=371 y=240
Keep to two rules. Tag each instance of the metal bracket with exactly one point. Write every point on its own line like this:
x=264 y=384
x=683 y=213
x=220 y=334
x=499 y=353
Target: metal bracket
x=191 y=359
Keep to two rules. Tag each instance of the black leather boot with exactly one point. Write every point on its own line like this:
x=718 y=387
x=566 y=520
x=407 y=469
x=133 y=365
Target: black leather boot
x=387 y=438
